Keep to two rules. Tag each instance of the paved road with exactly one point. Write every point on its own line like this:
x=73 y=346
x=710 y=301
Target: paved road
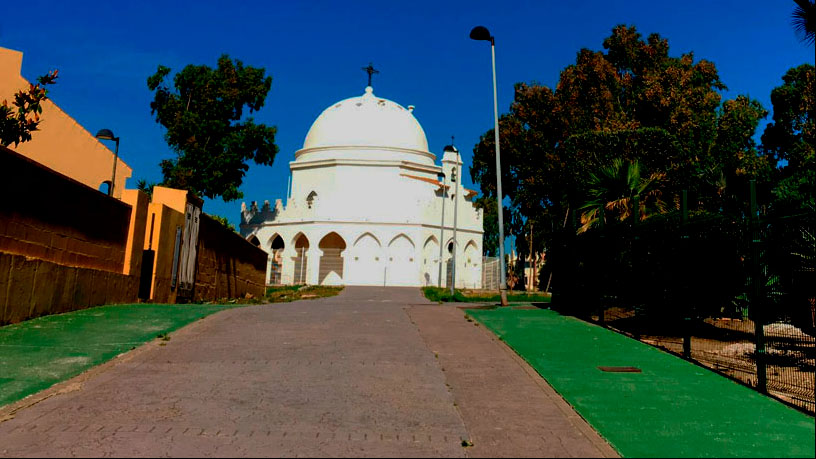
x=371 y=372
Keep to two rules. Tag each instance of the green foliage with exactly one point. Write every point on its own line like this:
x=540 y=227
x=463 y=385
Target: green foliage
x=612 y=191
x=491 y=224
x=22 y=117
x=146 y=187
x=633 y=102
x=804 y=20
x=791 y=138
x=206 y=127
x=443 y=295
x=287 y=293
x=223 y=221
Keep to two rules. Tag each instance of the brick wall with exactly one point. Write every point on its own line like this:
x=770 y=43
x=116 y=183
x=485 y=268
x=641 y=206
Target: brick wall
x=228 y=265
x=31 y=288
x=62 y=243
x=46 y=215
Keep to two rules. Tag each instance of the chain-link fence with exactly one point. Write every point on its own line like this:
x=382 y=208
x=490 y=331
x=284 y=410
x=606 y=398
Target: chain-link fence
x=736 y=295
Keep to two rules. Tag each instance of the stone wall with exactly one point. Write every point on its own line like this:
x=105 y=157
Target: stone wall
x=228 y=265
x=46 y=215
x=62 y=243
x=30 y=288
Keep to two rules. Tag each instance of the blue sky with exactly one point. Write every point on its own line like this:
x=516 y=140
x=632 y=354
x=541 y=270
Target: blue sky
x=314 y=51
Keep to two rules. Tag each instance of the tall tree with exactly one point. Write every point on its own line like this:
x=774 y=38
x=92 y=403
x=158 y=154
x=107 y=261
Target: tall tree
x=791 y=137
x=206 y=127
x=633 y=101
x=22 y=117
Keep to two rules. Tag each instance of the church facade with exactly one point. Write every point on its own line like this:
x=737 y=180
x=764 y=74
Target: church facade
x=365 y=205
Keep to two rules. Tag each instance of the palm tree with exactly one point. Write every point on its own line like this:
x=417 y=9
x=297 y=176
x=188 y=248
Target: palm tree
x=611 y=192
x=804 y=20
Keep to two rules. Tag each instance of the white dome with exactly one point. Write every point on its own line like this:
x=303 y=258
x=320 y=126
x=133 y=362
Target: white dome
x=366 y=121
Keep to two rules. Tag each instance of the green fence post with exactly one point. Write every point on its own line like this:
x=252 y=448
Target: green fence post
x=756 y=293
x=684 y=297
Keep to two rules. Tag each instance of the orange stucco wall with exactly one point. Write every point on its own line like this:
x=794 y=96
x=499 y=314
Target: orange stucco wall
x=61 y=143
x=139 y=202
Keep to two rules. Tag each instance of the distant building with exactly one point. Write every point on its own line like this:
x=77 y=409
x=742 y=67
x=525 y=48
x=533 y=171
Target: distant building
x=61 y=143
x=365 y=206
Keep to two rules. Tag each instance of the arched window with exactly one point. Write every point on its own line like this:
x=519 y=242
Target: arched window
x=105 y=187
x=311 y=198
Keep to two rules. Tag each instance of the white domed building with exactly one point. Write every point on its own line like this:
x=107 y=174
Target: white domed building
x=366 y=204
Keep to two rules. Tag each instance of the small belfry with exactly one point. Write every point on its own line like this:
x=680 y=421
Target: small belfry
x=366 y=205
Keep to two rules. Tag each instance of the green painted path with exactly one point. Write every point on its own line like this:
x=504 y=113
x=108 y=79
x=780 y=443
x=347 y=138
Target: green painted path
x=36 y=354
x=672 y=409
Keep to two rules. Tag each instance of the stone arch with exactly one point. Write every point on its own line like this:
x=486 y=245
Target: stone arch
x=471 y=262
x=364 y=263
x=275 y=242
x=449 y=247
x=430 y=261
x=301 y=258
x=398 y=238
x=275 y=246
x=331 y=261
x=401 y=266
x=362 y=236
x=253 y=239
x=470 y=253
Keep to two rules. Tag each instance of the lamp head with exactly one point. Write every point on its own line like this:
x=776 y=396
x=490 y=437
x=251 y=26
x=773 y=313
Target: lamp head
x=106 y=134
x=481 y=33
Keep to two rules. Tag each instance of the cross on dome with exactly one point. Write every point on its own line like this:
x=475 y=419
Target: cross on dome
x=371 y=71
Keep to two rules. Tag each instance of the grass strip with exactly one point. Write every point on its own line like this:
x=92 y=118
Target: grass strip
x=672 y=409
x=476 y=296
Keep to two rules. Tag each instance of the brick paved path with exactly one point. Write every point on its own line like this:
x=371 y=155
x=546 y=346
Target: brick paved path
x=366 y=373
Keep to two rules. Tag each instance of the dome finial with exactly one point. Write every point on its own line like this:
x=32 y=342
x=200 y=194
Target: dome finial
x=371 y=71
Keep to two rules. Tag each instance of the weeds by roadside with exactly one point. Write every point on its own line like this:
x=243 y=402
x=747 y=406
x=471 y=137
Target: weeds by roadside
x=482 y=296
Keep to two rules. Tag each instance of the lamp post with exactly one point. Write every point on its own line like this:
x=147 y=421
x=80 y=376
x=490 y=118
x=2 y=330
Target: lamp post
x=441 y=177
x=455 y=179
x=107 y=134
x=481 y=33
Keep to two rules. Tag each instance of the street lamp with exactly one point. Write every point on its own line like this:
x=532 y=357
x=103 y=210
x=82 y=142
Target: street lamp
x=107 y=134
x=441 y=176
x=481 y=33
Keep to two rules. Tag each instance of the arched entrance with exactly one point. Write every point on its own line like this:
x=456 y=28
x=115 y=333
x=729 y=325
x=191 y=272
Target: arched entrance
x=400 y=268
x=301 y=259
x=471 y=275
x=276 y=246
x=364 y=264
x=449 y=265
x=430 y=262
x=331 y=262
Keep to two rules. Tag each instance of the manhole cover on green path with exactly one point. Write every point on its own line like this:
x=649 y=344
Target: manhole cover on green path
x=620 y=369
